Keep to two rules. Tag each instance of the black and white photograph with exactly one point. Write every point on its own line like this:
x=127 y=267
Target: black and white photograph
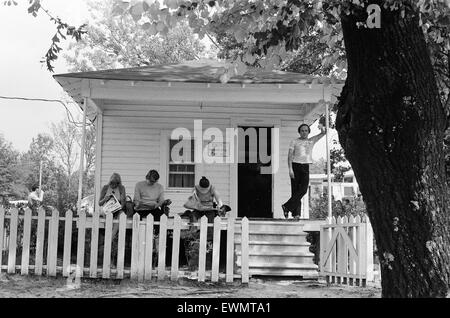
x=231 y=156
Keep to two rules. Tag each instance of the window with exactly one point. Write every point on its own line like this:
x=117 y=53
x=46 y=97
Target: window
x=182 y=175
x=348 y=179
x=348 y=191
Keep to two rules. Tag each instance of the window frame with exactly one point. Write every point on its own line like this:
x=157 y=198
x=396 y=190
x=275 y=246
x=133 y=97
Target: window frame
x=168 y=165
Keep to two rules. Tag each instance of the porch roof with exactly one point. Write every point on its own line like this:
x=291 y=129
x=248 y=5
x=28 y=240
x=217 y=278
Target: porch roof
x=201 y=71
x=193 y=72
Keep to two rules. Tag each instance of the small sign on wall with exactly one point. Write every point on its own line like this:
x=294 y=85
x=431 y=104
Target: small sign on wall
x=218 y=149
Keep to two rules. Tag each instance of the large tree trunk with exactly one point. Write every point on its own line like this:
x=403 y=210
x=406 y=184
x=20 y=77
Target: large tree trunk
x=391 y=125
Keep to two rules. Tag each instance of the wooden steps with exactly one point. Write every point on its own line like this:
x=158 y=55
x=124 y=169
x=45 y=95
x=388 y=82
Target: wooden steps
x=277 y=248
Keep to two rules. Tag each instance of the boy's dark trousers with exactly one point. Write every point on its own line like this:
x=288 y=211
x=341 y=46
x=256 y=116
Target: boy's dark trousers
x=299 y=187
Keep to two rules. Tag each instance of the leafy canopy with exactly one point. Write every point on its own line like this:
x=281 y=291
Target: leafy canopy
x=119 y=41
x=269 y=29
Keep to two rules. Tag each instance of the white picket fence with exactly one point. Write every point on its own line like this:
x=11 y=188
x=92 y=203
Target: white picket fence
x=61 y=261
x=346 y=246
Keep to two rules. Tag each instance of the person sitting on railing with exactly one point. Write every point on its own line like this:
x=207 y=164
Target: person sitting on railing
x=149 y=197
x=205 y=200
x=35 y=198
x=114 y=189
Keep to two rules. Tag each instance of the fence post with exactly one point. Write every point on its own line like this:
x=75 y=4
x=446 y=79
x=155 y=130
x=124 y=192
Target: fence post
x=216 y=250
x=340 y=250
x=333 y=255
x=121 y=245
x=2 y=233
x=67 y=244
x=106 y=272
x=230 y=250
x=135 y=246
x=162 y=247
x=40 y=243
x=245 y=251
x=359 y=249
x=141 y=252
x=369 y=250
x=49 y=243
x=80 y=242
x=94 y=244
x=322 y=250
x=175 y=247
x=53 y=244
x=352 y=234
x=149 y=248
x=26 y=242
x=202 y=249
x=14 y=218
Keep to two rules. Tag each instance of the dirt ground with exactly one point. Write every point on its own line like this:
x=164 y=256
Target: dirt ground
x=16 y=286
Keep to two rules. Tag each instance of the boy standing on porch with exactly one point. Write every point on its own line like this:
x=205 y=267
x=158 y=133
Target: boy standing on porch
x=299 y=159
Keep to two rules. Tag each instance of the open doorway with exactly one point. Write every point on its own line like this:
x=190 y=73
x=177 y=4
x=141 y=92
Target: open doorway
x=254 y=188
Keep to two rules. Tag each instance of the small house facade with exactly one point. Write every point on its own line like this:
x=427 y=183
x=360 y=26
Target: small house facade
x=238 y=132
x=139 y=111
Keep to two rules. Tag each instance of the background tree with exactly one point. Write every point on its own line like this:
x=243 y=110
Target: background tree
x=120 y=41
x=65 y=146
x=8 y=170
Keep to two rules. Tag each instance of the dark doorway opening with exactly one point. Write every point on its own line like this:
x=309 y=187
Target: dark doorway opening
x=254 y=188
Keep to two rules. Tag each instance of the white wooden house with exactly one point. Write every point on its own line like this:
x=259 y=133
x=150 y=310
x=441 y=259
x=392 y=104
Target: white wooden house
x=136 y=110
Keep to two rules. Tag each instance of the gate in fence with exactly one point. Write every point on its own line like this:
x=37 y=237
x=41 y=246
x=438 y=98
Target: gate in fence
x=346 y=246
x=33 y=246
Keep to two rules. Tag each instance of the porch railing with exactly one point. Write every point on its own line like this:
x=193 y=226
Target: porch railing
x=51 y=245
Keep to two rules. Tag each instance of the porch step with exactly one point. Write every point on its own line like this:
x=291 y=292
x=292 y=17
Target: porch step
x=274 y=237
x=303 y=273
x=279 y=260
x=277 y=248
x=274 y=228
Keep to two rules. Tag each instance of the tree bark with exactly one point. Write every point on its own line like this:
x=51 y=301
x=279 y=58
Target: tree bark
x=391 y=125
